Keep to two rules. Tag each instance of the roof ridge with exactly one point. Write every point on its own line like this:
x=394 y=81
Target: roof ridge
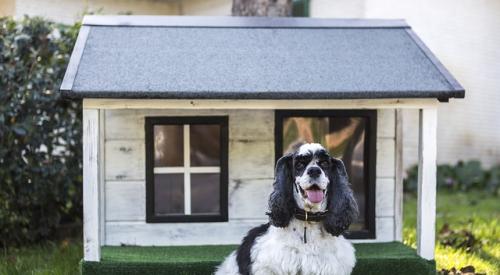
x=239 y=22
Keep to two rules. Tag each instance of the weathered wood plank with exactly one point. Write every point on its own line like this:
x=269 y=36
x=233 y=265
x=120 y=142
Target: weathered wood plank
x=385 y=158
x=247 y=159
x=398 y=191
x=384 y=202
x=385 y=123
x=125 y=201
x=251 y=125
x=125 y=160
x=243 y=124
x=102 y=180
x=250 y=159
x=91 y=178
x=157 y=234
x=248 y=198
x=384 y=231
x=412 y=103
x=426 y=206
x=124 y=124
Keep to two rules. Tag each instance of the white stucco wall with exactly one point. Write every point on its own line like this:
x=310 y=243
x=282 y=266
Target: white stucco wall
x=69 y=11
x=464 y=36
x=7 y=7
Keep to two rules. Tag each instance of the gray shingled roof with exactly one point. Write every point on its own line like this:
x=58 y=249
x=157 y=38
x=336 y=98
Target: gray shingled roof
x=252 y=58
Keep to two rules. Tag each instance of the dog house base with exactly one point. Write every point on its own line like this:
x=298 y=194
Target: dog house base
x=373 y=258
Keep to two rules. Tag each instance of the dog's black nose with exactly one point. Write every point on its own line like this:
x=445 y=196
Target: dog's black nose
x=314 y=172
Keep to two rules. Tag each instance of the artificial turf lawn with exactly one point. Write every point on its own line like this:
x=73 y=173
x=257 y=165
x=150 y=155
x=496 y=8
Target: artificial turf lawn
x=373 y=258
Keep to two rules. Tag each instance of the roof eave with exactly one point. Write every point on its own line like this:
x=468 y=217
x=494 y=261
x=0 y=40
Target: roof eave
x=74 y=61
x=442 y=96
x=238 y=22
x=456 y=88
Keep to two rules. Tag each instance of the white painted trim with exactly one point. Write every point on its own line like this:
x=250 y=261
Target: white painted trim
x=169 y=170
x=426 y=207
x=189 y=170
x=102 y=176
x=106 y=103
x=74 y=60
x=398 y=190
x=238 y=22
x=91 y=177
x=187 y=176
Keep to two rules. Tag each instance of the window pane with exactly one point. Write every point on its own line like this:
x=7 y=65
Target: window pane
x=168 y=145
x=343 y=137
x=169 y=194
x=205 y=193
x=205 y=145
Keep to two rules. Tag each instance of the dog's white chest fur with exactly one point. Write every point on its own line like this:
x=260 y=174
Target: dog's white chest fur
x=309 y=180
x=282 y=251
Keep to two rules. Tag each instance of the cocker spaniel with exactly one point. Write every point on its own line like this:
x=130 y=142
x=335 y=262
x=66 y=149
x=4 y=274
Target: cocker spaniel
x=310 y=207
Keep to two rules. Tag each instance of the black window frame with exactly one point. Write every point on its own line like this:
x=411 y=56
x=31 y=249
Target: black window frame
x=370 y=156
x=150 y=122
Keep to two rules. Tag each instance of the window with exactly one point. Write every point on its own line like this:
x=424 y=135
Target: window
x=349 y=135
x=186 y=169
x=300 y=8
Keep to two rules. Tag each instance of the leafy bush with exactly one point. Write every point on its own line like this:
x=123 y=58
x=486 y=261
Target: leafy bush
x=40 y=134
x=463 y=176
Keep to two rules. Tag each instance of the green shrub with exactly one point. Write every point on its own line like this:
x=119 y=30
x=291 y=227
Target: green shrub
x=40 y=134
x=463 y=176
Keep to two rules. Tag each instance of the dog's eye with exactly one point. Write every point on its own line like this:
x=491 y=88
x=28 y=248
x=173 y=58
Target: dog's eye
x=324 y=164
x=300 y=165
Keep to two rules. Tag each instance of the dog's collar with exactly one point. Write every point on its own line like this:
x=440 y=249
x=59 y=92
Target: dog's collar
x=307 y=216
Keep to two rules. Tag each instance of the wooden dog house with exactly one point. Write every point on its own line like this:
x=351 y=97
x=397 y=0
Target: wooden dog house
x=184 y=118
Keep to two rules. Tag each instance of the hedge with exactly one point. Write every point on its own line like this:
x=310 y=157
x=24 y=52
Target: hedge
x=40 y=133
x=463 y=176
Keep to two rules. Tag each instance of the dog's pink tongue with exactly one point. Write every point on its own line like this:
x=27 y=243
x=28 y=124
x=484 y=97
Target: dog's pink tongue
x=315 y=196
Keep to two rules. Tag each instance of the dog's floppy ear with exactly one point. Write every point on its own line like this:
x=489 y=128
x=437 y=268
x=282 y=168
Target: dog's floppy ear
x=281 y=204
x=342 y=207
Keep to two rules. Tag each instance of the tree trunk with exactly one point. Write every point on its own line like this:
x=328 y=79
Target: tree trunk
x=272 y=8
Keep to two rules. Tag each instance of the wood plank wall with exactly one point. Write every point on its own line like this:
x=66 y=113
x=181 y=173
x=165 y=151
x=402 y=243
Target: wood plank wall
x=251 y=171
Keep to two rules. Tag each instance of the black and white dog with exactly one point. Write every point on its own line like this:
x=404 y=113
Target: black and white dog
x=310 y=207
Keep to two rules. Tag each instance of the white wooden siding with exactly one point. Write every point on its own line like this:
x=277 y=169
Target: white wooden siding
x=384 y=206
x=251 y=172
x=386 y=157
x=125 y=201
x=385 y=170
x=251 y=159
x=155 y=234
x=125 y=159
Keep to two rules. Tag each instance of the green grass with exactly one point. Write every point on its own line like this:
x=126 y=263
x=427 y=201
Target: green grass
x=477 y=212
x=474 y=211
x=54 y=258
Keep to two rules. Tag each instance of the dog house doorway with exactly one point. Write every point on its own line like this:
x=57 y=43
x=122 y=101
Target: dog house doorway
x=347 y=134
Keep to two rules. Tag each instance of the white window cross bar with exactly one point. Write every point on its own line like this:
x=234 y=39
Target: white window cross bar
x=181 y=170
